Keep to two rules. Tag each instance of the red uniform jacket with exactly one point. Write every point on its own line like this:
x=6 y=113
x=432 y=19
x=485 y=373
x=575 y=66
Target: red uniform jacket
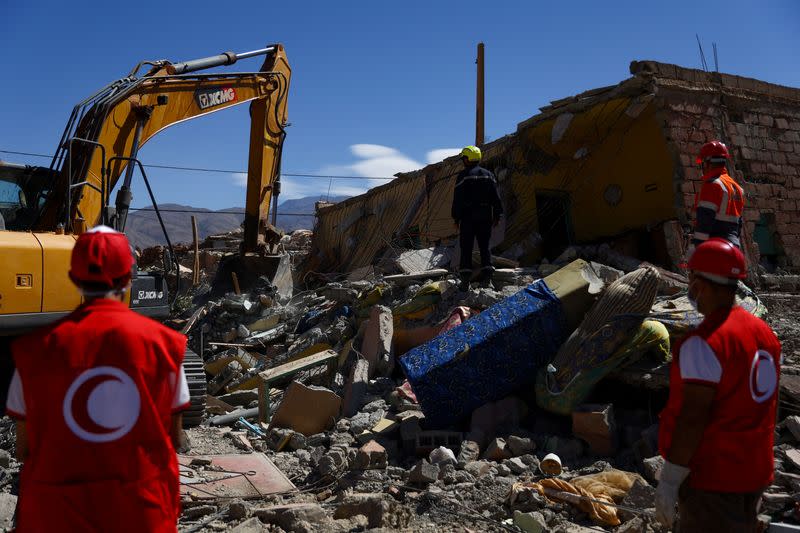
x=739 y=355
x=99 y=389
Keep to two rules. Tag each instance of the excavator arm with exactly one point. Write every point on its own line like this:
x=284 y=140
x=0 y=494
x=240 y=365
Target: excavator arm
x=106 y=131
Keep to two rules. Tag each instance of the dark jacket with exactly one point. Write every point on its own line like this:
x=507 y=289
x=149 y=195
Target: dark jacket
x=475 y=195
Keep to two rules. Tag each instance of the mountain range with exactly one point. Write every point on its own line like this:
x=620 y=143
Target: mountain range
x=143 y=229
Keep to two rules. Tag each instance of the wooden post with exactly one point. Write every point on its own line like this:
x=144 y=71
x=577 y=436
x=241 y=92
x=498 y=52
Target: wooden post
x=196 y=239
x=479 y=100
x=235 y=279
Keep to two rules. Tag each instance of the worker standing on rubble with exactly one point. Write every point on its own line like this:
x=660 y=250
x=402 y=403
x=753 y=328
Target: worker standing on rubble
x=476 y=209
x=716 y=432
x=719 y=204
x=97 y=398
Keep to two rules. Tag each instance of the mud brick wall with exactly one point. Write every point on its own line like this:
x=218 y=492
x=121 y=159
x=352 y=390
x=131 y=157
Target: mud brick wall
x=762 y=129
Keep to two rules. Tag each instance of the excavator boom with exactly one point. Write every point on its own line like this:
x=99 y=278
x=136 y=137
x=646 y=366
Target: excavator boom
x=106 y=131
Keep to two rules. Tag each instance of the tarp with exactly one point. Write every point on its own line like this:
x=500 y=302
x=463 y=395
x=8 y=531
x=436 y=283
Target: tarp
x=487 y=357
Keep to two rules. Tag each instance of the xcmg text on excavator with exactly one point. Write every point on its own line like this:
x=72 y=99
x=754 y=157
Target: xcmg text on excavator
x=44 y=209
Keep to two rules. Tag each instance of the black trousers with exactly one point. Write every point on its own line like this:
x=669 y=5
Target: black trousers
x=471 y=229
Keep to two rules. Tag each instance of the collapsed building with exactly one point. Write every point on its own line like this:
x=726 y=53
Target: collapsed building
x=614 y=163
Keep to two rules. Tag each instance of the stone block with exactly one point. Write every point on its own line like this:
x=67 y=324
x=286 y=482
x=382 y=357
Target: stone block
x=470 y=451
x=423 y=473
x=530 y=522
x=478 y=468
x=793 y=425
x=516 y=465
x=381 y=511
x=307 y=410
x=497 y=450
x=520 y=446
x=639 y=496
x=652 y=467
x=356 y=388
x=595 y=425
x=252 y=525
x=293 y=517
x=371 y=456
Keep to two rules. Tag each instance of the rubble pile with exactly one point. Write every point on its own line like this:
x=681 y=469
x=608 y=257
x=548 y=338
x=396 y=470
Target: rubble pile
x=329 y=385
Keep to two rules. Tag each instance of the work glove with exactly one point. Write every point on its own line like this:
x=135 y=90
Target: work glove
x=669 y=482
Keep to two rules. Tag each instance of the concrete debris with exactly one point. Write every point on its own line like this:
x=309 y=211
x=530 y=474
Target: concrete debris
x=362 y=445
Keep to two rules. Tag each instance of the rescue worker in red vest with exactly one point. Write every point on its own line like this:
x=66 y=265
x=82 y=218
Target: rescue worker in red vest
x=719 y=204
x=476 y=209
x=97 y=397
x=716 y=431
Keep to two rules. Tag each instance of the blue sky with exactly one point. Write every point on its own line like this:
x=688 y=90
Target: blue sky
x=377 y=87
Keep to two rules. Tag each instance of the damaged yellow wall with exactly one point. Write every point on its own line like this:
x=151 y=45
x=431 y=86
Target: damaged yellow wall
x=614 y=142
x=603 y=148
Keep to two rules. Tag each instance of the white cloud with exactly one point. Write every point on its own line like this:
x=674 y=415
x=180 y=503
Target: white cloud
x=239 y=178
x=369 y=151
x=440 y=154
x=374 y=161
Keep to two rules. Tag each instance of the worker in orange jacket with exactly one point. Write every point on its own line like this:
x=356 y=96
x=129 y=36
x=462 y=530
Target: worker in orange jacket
x=719 y=204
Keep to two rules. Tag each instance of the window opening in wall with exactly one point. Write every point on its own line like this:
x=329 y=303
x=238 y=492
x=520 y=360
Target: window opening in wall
x=555 y=222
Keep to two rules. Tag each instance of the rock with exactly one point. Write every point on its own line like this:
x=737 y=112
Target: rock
x=242 y=332
x=294 y=517
x=634 y=525
x=297 y=441
x=478 y=468
x=500 y=417
x=470 y=451
x=442 y=456
x=516 y=465
x=8 y=506
x=356 y=388
x=423 y=473
x=640 y=496
x=381 y=511
x=332 y=462
x=5 y=459
x=237 y=510
x=651 y=468
x=253 y=525
x=520 y=445
x=503 y=470
x=371 y=455
x=497 y=450
x=530 y=522
x=794 y=458
x=360 y=423
x=240 y=398
x=201 y=461
x=307 y=409
x=193 y=513
x=793 y=425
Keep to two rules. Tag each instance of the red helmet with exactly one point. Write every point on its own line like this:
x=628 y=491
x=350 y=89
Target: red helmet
x=103 y=257
x=716 y=151
x=719 y=261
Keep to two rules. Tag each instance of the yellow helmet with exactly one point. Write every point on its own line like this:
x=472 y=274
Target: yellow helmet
x=472 y=153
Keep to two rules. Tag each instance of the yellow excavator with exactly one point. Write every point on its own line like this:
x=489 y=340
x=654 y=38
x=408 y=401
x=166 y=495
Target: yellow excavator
x=44 y=209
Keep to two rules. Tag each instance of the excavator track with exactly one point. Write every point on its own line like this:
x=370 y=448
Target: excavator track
x=196 y=379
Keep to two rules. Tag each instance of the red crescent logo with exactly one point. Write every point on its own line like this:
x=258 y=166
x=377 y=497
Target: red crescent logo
x=763 y=377
x=102 y=404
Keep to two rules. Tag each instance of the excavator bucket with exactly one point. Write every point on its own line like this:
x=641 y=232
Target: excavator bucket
x=244 y=272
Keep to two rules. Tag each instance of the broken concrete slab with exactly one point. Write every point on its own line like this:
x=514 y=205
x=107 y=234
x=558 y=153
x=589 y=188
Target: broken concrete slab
x=307 y=409
x=594 y=424
x=243 y=476
x=377 y=344
x=294 y=517
x=356 y=388
x=381 y=510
